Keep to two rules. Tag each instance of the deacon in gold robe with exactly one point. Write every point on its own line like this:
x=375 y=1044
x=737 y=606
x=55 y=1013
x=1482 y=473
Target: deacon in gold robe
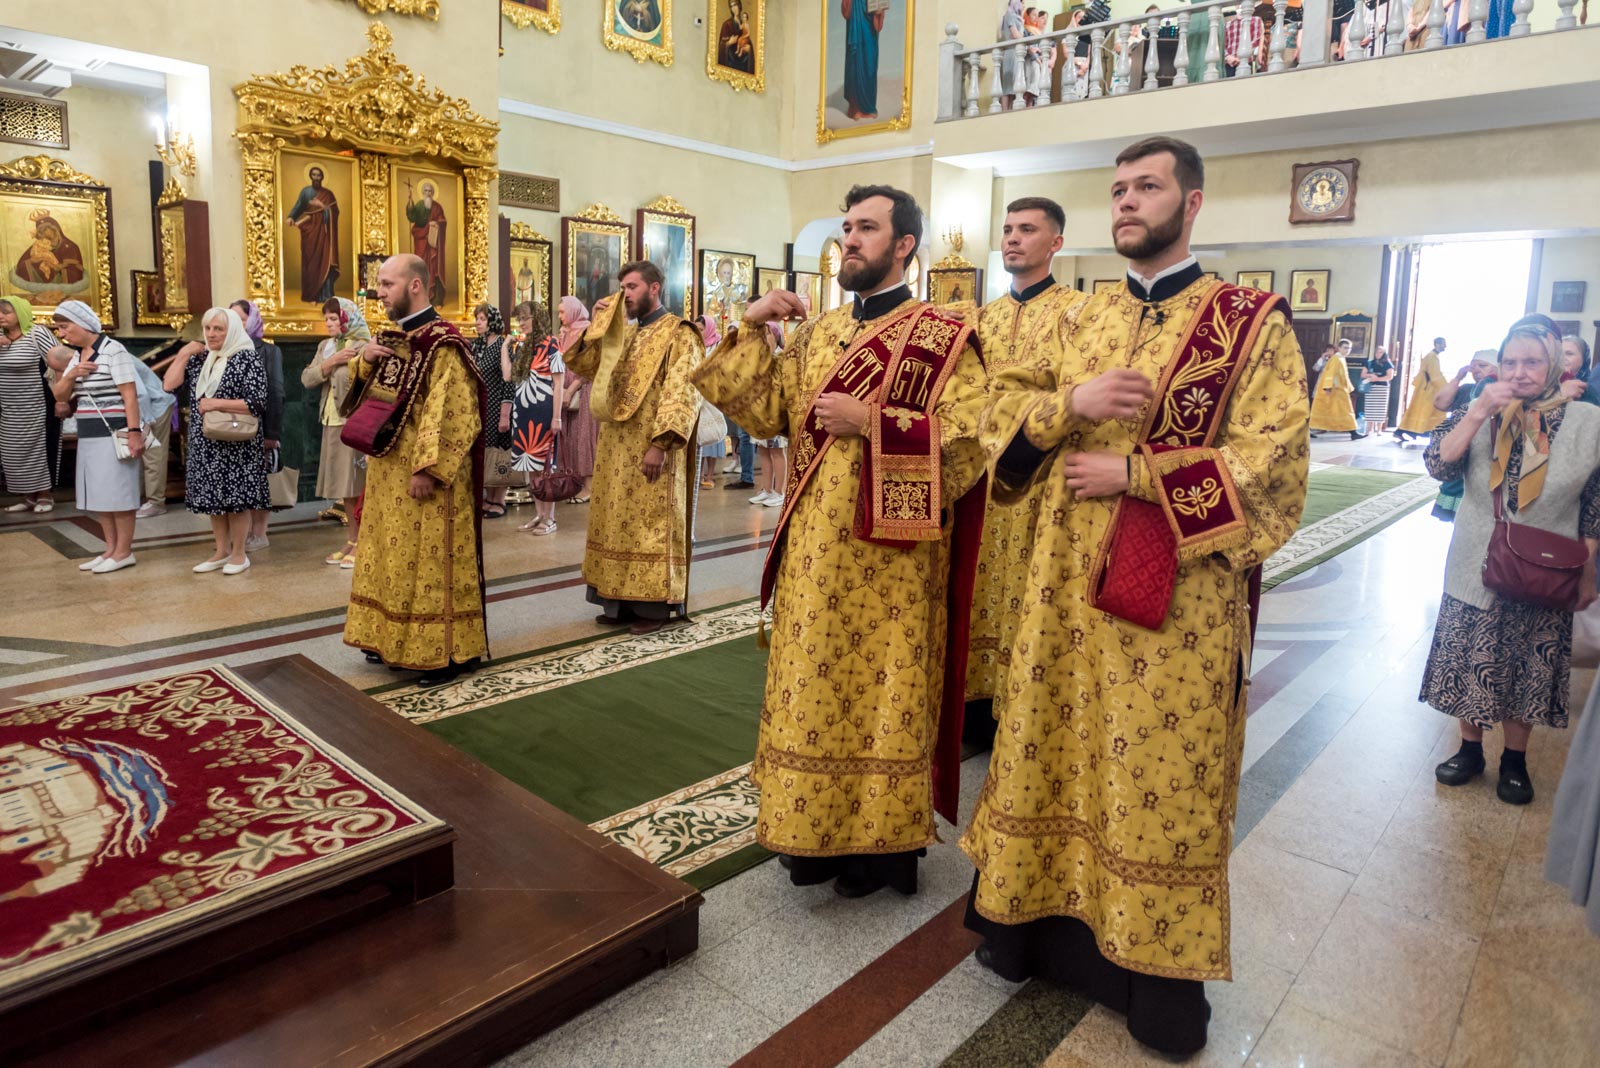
x=1332 y=410
x=1028 y=324
x=871 y=565
x=416 y=597
x=1422 y=416
x=1170 y=440
x=636 y=561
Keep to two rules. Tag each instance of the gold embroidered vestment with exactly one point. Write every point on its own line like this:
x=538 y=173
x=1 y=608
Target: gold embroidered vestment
x=1010 y=332
x=850 y=715
x=1111 y=789
x=638 y=538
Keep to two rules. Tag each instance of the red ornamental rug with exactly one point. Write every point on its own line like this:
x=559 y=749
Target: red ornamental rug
x=130 y=812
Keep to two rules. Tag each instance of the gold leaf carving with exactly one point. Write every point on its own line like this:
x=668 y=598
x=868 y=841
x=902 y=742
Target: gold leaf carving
x=522 y=16
x=954 y=261
x=521 y=231
x=640 y=50
x=738 y=79
x=19 y=176
x=45 y=169
x=599 y=213
x=668 y=205
x=427 y=9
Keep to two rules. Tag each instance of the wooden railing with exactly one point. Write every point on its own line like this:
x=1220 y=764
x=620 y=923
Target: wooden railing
x=1047 y=69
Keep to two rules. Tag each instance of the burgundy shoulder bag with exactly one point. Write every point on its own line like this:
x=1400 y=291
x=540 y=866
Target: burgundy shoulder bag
x=1531 y=565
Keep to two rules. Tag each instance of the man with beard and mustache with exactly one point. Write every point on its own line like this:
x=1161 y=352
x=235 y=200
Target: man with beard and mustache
x=1170 y=439
x=416 y=598
x=636 y=561
x=1029 y=324
x=871 y=565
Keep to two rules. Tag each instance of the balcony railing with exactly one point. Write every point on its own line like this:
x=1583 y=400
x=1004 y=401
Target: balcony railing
x=1114 y=58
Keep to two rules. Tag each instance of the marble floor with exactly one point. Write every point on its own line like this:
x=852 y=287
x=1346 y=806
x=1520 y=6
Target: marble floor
x=1380 y=919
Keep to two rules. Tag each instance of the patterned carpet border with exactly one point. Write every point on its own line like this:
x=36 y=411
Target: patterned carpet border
x=1328 y=537
x=565 y=665
x=692 y=827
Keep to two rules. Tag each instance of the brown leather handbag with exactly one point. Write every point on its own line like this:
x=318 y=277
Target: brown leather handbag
x=1531 y=565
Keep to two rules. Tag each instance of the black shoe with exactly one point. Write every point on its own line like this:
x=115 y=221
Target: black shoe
x=1356 y=437
x=1516 y=786
x=854 y=885
x=1459 y=769
x=449 y=673
x=740 y=485
x=373 y=658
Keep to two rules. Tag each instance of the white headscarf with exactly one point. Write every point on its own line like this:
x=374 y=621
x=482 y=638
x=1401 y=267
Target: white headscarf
x=217 y=359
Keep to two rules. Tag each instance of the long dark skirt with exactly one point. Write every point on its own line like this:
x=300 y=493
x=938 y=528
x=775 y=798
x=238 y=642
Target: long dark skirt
x=1508 y=662
x=1168 y=1015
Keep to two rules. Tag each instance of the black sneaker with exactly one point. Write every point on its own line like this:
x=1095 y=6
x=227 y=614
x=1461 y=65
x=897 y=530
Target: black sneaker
x=1459 y=770
x=1516 y=786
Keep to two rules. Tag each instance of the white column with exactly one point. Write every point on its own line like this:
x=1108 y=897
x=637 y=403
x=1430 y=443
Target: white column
x=971 y=108
x=1394 y=34
x=1315 y=28
x=1097 y=68
x=1477 y=21
x=1122 y=69
x=951 y=77
x=1436 y=17
x=1152 y=59
x=1214 y=47
x=1181 y=55
x=1521 y=8
x=1275 y=50
x=997 y=88
x=1069 y=69
x=1019 y=59
x=1357 y=33
x=1566 y=20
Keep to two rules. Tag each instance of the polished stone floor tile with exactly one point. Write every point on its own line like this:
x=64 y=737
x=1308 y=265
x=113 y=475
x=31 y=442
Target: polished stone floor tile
x=937 y=1023
x=1513 y=1016
x=1535 y=927
x=1390 y=976
x=1281 y=904
x=1300 y=1038
x=1455 y=886
x=1239 y=1014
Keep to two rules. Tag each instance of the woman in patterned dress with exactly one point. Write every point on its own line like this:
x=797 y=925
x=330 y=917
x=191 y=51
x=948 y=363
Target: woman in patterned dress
x=1497 y=661
x=341 y=471
x=27 y=409
x=488 y=351
x=536 y=378
x=223 y=479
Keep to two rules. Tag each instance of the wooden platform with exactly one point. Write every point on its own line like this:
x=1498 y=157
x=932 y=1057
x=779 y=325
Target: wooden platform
x=546 y=918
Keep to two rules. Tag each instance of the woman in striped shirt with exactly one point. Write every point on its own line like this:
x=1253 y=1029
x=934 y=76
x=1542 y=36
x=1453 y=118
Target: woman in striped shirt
x=27 y=458
x=101 y=379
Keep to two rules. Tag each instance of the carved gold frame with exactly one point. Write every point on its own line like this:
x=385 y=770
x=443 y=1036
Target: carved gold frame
x=525 y=238
x=595 y=219
x=376 y=108
x=521 y=16
x=738 y=79
x=46 y=174
x=640 y=50
x=426 y=9
x=667 y=211
x=902 y=122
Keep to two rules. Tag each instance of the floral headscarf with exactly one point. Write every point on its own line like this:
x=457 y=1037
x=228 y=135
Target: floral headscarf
x=352 y=324
x=577 y=327
x=1529 y=420
x=709 y=332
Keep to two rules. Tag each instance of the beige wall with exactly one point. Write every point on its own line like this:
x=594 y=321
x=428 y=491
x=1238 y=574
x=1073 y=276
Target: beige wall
x=111 y=140
x=572 y=71
x=1352 y=282
x=1573 y=259
x=1539 y=178
x=738 y=207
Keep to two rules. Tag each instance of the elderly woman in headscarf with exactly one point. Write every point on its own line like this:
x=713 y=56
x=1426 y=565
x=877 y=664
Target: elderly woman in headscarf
x=1523 y=450
x=487 y=349
x=30 y=434
x=223 y=479
x=272 y=424
x=99 y=376
x=582 y=432
x=341 y=476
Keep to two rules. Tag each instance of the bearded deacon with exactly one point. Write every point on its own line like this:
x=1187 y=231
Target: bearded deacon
x=1027 y=325
x=638 y=355
x=1170 y=440
x=416 y=598
x=871 y=564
